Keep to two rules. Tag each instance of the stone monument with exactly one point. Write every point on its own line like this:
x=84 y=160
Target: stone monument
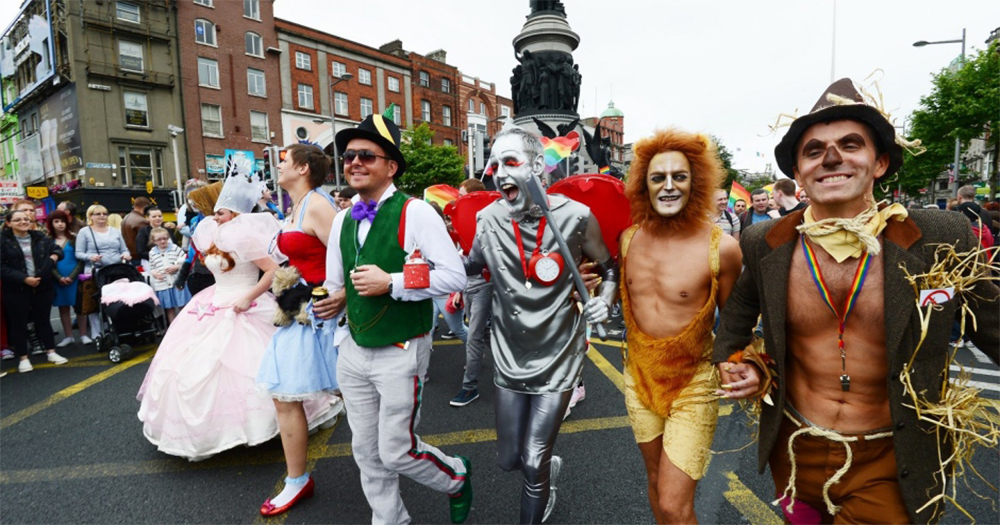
x=545 y=85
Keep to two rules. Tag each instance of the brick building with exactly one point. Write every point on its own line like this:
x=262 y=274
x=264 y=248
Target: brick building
x=310 y=59
x=612 y=121
x=482 y=113
x=435 y=91
x=229 y=79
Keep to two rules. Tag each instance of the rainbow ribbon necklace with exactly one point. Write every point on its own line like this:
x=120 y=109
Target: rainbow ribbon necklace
x=852 y=299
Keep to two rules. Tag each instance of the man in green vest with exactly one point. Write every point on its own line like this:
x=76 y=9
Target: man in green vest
x=386 y=343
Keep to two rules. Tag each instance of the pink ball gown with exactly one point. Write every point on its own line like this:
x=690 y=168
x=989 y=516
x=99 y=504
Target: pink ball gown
x=199 y=396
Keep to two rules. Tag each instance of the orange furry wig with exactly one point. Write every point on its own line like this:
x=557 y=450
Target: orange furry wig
x=706 y=177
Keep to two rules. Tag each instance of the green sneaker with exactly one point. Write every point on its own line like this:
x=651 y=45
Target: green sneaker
x=461 y=501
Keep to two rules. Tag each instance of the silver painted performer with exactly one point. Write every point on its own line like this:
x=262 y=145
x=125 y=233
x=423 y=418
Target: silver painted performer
x=539 y=333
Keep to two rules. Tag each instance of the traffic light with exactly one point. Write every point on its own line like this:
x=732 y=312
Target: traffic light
x=267 y=163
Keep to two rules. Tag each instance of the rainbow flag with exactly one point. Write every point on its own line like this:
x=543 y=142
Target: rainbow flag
x=442 y=194
x=557 y=149
x=736 y=193
x=605 y=170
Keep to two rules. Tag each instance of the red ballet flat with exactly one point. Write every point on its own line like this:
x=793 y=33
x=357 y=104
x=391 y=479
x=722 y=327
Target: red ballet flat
x=268 y=508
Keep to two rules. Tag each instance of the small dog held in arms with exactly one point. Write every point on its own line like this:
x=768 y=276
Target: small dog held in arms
x=292 y=295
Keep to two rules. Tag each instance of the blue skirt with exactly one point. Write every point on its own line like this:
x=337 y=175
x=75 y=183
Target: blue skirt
x=173 y=298
x=300 y=362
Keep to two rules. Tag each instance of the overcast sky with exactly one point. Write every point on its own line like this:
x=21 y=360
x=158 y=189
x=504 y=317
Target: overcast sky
x=728 y=68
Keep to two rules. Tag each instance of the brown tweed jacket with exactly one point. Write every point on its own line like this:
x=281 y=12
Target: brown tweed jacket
x=763 y=288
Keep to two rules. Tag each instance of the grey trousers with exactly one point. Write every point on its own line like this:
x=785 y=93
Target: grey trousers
x=477 y=305
x=527 y=427
x=382 y=391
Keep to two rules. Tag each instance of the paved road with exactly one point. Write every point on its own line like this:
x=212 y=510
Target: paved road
x=73 y=452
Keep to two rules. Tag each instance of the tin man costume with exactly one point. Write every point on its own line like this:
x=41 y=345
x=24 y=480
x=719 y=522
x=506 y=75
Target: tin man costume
x=539 y=334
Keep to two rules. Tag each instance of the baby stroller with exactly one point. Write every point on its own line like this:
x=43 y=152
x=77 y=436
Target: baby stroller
x=129 y=311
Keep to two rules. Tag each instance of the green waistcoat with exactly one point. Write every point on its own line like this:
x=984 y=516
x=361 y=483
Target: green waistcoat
x=381 y=320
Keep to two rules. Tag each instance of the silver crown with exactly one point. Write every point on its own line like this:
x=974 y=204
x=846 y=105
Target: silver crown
x=243 y=186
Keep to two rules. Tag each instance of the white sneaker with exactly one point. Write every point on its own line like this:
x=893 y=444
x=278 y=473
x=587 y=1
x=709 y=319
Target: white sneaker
x=24 y=366
x=579 y=394
x=86 y=340
x=65 y=342
x=8 y=353
x=554 y=468
x=57 y=359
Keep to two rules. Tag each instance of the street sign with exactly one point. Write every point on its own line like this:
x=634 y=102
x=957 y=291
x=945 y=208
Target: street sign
x=100 y=166
x=37 y=192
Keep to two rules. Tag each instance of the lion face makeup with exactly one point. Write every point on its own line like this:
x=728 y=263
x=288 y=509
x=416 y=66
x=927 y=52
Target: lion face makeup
x=672 y=181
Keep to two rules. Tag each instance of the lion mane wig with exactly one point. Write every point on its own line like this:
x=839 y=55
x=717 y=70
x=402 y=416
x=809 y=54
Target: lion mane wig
x=706 y=177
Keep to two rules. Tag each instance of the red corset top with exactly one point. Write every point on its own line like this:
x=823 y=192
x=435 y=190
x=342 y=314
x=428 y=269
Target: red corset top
x=305 y=252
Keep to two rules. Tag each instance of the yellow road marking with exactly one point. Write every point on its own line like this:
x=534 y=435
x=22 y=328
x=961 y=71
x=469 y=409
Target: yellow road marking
x=748 y=504
x=318 y=449
x=607 y=368
x=448 y=342
x=70 y=391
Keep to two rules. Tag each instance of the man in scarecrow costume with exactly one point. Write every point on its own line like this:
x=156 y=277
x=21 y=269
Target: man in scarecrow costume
x=842 y=323
x=539 y=333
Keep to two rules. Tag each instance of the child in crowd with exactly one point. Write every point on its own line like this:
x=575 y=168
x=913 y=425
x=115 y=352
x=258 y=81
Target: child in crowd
x=165 y=260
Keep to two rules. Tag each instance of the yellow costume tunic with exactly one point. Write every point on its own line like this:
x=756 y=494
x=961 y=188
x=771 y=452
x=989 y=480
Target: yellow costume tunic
x=670 y=382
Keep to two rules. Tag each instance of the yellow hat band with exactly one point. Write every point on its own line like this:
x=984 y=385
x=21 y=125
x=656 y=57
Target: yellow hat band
x=382 y=128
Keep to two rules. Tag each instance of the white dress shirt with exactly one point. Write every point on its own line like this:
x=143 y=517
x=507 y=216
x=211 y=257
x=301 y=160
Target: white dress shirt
x=424 y=231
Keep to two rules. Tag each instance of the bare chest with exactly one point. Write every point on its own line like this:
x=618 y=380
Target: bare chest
x=668 y=272
x=808 y=313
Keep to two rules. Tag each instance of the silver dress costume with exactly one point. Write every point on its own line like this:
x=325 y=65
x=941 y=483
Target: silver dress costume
x=539 y=336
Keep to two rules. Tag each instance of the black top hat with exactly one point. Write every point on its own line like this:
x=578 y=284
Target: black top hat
x=379 y=130
x=826 y=110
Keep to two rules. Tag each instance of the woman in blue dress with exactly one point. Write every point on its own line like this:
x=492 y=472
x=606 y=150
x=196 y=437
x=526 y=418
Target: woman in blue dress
x=66 y=271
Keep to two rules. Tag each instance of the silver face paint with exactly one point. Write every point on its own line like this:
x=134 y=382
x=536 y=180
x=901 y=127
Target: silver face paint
x=513 y=165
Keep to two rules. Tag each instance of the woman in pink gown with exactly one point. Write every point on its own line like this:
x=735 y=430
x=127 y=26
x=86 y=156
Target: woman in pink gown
x=199 y=396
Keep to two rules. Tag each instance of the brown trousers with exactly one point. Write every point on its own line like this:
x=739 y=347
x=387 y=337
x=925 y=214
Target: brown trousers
x=867 y=493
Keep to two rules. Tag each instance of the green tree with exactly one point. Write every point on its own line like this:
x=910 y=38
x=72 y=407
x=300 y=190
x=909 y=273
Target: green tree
x=428 y=164
x=962 y=104
x=726 y=157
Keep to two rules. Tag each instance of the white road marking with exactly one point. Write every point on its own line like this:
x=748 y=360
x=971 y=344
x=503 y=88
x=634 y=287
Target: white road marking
x=971 y=370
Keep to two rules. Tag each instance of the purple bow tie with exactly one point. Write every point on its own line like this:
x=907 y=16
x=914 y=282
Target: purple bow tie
x=364 y=210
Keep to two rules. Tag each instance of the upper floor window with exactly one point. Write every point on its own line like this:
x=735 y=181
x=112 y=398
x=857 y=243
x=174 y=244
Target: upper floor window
x=130 y=56
x=445 y=85
x=482 y=108
x=211 y=120
x=136 y=109
x=206 y=3
x=472 y=106
x=397 y=115
x=255 y=83
x=425 y=79
x=204 y=32
x=365 y=76
x=127 y=11
x=425 y=111
x=366 y=107
x=394 y=84
x=251 y=9
x=448 y=142
x=208 y=72
x=305 y=96
x=254 y=44
x=340 y=103
x=505 y=111
x=259 y=131
x=446 y=115
x=339 y=69
x=303 y=60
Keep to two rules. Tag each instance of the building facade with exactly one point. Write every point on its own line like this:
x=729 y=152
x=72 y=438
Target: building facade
x=230 y=80
x=94 y=86
x=482 y=114
x=435 y=91
x=325 y=77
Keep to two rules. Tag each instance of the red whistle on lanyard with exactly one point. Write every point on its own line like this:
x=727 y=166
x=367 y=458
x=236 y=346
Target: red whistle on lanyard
x=416 y=272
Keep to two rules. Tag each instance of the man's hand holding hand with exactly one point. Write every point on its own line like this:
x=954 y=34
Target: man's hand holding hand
x=739 y=380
